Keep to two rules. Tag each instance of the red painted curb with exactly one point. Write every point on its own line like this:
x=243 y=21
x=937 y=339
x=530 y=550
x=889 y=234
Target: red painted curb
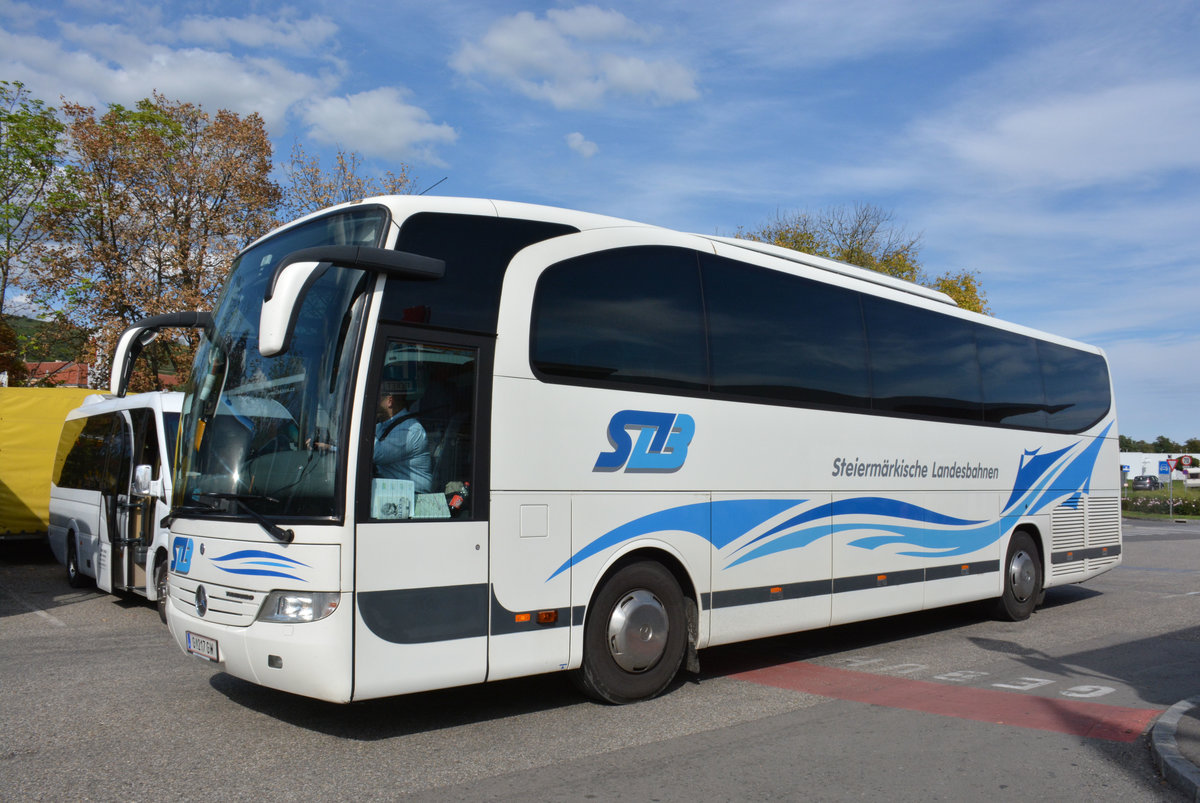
x=1076 y=717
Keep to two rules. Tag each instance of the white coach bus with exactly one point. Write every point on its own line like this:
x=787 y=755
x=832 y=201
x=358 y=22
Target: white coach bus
x=624 y=444
x=110 y=488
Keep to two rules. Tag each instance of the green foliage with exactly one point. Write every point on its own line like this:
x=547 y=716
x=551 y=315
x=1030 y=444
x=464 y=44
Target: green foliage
x=1160 y=445
x=1165 y=445
x=865 y=235
x=30 y=155
x=45 y=341
x=1159 y=504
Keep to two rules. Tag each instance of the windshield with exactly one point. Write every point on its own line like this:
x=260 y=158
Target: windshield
x=265 y=433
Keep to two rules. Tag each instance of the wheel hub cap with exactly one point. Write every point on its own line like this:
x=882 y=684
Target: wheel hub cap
x=1021 y=576
x=637 y=631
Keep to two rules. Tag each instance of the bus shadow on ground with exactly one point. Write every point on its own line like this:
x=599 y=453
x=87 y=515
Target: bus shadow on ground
x=812 y=644
x=386 y=718
x=421 y=712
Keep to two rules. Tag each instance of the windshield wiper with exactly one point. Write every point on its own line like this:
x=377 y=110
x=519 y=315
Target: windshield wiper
x=274 y=530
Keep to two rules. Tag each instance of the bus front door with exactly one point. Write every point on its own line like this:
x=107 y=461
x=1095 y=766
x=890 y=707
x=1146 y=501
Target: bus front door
x=422 y=597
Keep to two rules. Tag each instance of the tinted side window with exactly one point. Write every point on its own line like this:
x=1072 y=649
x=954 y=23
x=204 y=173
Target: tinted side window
x=476 y=251
x=119 y=452
x=777 y=336
x=1077 y=388
x=628 y=315
x=1012 y=379
x=81 y=453
x=171 y=435
x=145 y=440
x=922 y=362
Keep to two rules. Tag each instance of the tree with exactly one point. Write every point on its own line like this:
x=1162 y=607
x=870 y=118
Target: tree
x=1165 y=445
x=163 y=197
x=11 y=363
x=1128 y=444
x=30 y=154
x=1192 y=446
x=865 y=235
x=309 y=188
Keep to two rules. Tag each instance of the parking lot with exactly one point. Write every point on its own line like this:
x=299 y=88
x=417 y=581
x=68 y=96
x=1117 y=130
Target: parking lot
x=98 y=703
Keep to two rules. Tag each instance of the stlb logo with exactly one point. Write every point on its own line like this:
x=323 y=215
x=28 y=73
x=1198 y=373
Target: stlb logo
x=661 y=446
x=181 y=554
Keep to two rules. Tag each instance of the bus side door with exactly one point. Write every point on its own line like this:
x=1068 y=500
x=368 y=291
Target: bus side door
x=114 y=501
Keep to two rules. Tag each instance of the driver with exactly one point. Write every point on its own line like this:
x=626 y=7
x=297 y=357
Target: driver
x=401 y=447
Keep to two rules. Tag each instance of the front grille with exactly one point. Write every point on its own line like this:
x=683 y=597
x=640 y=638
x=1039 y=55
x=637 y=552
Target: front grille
x=236 y=607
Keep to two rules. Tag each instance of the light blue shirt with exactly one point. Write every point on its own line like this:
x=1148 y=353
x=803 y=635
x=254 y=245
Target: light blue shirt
x=403 y=452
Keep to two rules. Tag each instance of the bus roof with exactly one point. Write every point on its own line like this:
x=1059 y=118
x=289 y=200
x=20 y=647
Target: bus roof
x=404 y=205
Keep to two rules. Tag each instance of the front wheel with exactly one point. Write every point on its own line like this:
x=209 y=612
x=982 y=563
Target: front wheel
x=1022 y=579
x=160 y=589
x=635 y=635
x=75 y=578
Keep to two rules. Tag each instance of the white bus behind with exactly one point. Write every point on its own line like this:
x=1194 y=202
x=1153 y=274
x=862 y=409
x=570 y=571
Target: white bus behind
x=110 y=490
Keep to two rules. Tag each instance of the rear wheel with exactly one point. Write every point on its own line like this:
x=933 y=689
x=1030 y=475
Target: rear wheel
x=635 y=635
x=75 y=578
x=1022 y=579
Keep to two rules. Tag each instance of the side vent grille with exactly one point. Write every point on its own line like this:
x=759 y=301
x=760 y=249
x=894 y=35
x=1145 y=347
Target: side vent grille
x=1104 y=530
x=1084 y=525
x=1104 y=521
x=1068 y=527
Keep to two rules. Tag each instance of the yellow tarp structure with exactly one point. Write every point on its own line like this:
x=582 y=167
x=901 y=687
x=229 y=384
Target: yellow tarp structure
x=30 y=422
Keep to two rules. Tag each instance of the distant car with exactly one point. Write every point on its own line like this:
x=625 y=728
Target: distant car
x=1146 y=482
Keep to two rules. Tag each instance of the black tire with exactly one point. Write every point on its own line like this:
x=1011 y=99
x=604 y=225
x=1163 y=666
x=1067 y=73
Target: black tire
x=635 y=635
x=160 y=589
x=75 y=578
x=1022 y=572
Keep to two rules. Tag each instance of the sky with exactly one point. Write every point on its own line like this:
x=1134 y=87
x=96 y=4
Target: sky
x=1053 y=147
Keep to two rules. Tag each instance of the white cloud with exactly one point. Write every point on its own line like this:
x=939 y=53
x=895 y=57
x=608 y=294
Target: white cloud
x=591 y=22
x=377 y=123
x=258 y=32
x=1082 y=138
x=20 y=304
x=822 y=34
x=557 y=59
x=577 y=143
x=107 y=64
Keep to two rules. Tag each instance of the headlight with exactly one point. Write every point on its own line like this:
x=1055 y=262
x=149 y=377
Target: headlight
x=298 y=606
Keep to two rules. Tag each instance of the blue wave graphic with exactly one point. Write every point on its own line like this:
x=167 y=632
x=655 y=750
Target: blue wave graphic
x=720 y=523
x=1042 y=479
x=867 y=506
x=247 y=561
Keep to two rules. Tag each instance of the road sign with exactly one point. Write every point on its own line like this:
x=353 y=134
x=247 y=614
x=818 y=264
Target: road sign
x=1186 y=460
x=1163 y=467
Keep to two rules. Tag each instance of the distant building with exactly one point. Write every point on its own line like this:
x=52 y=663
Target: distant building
x=1142 y=463
x=62 y=374
x=75 y=375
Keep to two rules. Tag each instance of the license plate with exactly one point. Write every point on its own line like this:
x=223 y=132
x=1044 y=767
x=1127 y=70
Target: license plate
x=202 y=646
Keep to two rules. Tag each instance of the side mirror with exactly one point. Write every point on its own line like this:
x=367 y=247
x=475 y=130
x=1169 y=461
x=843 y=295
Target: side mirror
x=299 y=270
x=142 y=334
x=142 y=480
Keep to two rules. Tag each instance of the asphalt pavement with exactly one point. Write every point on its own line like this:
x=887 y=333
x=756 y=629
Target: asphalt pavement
x=1175 y=740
